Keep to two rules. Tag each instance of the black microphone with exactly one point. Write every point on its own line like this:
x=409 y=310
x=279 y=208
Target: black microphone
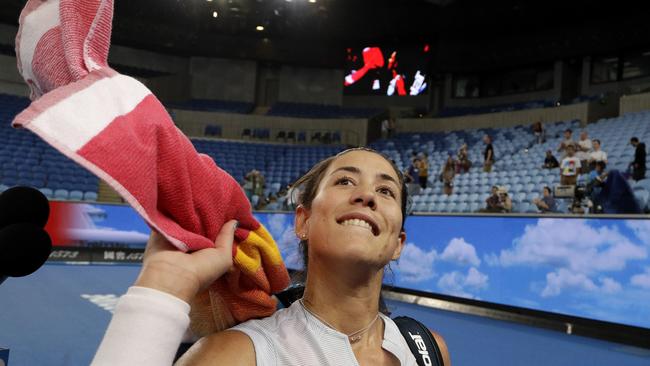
x=24 y=248
x=24 y=244
x=23 y=204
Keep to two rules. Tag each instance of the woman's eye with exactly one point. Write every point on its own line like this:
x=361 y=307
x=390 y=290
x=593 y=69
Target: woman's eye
x=386 y=191
x=344 y=181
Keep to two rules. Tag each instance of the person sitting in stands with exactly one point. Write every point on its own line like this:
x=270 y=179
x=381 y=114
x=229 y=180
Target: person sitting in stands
x=547 y=202
x=550 y=162
x=568 y=141
x=538 y=131
x=570 y=167
x=505 y=202
x=596 y=155
x=492 y=202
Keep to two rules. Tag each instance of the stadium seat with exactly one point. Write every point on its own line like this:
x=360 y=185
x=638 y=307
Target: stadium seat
x=61 y=194
x=90 y=196
x=76 y=195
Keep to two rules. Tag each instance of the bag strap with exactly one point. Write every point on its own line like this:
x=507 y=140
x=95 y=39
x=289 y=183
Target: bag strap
x=420 y=341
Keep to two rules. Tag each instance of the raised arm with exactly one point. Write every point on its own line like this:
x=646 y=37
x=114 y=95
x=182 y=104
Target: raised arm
x=150 y=320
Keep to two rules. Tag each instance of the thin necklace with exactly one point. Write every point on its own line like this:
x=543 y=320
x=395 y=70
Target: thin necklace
x=354 y=336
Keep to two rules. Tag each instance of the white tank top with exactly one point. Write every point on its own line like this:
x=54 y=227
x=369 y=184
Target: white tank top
x=293 y=336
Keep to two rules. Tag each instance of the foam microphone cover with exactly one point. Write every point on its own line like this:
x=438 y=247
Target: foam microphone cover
x=23 y=204
x=24 y=247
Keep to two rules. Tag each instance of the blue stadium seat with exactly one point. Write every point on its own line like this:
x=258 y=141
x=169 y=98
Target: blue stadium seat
x=76 y=195
x=61 y=194
x=90 y=196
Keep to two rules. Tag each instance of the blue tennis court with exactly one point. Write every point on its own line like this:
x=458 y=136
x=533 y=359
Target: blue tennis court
x=58 y=315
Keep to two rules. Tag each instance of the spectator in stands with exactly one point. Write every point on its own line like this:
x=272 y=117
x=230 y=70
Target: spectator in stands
x=257 y=181
x=568 y=141
x=392 y=127
x=248 y=187
x=412 y=176
x=447 y=175
x=547 y=202
x=570 y=167
x=423 y=169
x=596 y=180
x=492 y=202
x=638 y=165
x=584 y=149
x=596 y=155
x=550 y=162
x=505 y=202
x=488 y=154
x=384 y=128
x=539 y=132
x=463 y=164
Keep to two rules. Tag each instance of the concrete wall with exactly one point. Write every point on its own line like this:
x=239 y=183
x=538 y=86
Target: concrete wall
x=8 y=34
x=148 y=60
x=634 y=103
x=10 y=80
x=552 y=94
x=397 y=102
x=586 y=112
x=192 y=123
x=213 y=78
x=311 y=85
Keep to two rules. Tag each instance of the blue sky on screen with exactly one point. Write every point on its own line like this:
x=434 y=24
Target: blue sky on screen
x=591 y=268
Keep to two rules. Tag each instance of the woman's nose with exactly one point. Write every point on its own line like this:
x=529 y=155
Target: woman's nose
x=365 y=196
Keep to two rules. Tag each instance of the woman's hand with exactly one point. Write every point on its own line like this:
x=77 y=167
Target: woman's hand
x=167 y=269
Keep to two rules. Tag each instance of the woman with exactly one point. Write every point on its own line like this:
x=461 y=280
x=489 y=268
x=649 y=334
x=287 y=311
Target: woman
x=350 y=221
x=448 y=173
x=463 y=164
x=423 y=170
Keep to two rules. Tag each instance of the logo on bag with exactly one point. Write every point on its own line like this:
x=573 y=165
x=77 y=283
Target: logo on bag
x=422 y=348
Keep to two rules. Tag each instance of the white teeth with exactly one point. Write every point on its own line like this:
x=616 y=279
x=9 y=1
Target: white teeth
x=357 y=222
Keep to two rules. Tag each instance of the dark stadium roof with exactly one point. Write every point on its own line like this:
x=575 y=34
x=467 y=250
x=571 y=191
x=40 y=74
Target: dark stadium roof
x=293 y=27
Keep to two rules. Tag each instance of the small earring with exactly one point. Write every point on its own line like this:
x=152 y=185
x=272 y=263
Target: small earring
x=303 y=236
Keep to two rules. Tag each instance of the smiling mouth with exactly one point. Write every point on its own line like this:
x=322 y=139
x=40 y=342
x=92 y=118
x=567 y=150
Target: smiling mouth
x=360 y=223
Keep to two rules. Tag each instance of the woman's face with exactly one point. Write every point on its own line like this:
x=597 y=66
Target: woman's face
x=356 y=213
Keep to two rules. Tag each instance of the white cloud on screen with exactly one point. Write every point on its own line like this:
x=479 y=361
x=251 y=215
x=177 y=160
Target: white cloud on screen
x=570 y=244
x=565 y=280
x=610 y=286
x=282 y=231
x=641 y=229
x=642 y=280
x=461 y=252
x=459 y=284
x=415 y=264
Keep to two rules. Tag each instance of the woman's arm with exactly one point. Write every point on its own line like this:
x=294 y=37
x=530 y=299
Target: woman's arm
x=151 y=318
x=442 y=345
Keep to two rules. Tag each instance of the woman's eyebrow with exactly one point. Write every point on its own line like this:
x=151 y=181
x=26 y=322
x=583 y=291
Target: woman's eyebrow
x=353 y=169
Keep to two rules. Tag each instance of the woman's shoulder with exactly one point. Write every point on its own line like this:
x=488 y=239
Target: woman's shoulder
x=229 y=347
x=235 y=346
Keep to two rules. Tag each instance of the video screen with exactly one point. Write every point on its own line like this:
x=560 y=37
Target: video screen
x=586 y=267
x=375 y=70
x=591 y=268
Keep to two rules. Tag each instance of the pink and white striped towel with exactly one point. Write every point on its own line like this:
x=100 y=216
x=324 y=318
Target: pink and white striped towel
x=115 y=127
